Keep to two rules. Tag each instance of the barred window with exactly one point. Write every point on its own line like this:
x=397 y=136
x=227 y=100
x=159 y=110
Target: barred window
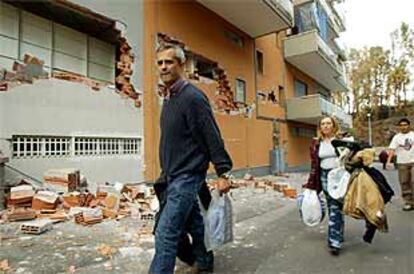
x=55 y=146
x=106 y=146
x=37 y=146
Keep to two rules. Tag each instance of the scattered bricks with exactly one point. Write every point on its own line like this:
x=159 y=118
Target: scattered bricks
x=53 y=215
x=88 y=216
x=65 y=180
x=17 y=66
x=109 y=213
x=111 y=201
x=280 y=186
x=248 y=177
x=21 y=195
x=4 y=86
x=138 y=103
x=94 y=203
x=44 y=200
x=20 y=214
x=71 y=199
x=289 y=192
x=36 y=227
x=147 y=216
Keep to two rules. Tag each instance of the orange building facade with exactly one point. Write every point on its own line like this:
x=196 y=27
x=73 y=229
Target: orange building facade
x=241 y=65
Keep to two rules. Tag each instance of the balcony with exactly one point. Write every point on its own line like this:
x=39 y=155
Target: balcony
x=309 y=53
x=309 y=109
x=336 y=18
x=255 y=17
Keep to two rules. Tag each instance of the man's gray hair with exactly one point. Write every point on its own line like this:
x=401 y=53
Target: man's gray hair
x=179 y=52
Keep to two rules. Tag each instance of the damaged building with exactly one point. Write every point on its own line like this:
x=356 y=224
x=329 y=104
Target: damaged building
x=268 y=67
x=70 y=81
x=79 y=88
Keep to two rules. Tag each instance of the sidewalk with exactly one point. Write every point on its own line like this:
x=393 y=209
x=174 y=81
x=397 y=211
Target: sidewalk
x=115 y=246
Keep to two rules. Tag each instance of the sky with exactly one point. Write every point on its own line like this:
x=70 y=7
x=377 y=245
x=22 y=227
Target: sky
x=370 y=22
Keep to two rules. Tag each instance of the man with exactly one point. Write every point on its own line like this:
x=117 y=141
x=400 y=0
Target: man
x=190 y=140
x=402 y=144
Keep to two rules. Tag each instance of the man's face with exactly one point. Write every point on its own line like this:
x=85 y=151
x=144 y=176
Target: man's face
x=169 y=67
x=404 y=127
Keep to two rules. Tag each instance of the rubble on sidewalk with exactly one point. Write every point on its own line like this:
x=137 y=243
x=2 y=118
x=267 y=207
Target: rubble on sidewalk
x=260 y=183
x=62 y=180
x=36 y=227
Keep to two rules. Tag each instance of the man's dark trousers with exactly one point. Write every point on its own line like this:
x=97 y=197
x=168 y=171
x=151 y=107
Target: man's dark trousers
x=180 y=212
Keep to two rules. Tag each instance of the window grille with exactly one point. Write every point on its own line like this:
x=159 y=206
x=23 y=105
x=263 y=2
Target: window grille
x=52 y=146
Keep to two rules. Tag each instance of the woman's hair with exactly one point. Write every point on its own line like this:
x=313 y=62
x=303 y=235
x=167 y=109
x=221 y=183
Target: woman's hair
x=335 y=129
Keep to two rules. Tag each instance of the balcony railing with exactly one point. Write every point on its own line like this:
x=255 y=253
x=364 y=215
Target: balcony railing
x=309 y=109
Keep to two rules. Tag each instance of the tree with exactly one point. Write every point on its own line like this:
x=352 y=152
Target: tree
x=378 y=76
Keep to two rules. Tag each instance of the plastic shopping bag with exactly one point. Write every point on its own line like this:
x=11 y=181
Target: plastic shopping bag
x=338 y=180
x=218 y=221
x=311 y=207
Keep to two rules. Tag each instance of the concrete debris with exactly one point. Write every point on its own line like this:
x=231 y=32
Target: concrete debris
x=261 y=183
x=62 y=180
x=19 y=214
x=45 y=200
x=21 y=195
x=106 y=250
x=4 y=266
x=36 y=227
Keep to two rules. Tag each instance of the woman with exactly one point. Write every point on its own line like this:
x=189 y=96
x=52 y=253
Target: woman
x=323 y=159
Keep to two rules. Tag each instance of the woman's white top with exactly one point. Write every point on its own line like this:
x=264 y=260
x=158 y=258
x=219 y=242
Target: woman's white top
x=327 y=155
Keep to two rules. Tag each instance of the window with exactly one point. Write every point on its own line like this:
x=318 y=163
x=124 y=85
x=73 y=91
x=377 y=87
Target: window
x=234 y=37
x=37 y=146
x=204 y=67
x=303 y=132
x=240 y=95
x=45 y=146
x=106 y=146
x=301 y=89
x=259 y=61
x=59 y=46
x=9 y=34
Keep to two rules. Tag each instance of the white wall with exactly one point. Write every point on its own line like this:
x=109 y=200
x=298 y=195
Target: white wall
x=57 y=107
x=63 y=108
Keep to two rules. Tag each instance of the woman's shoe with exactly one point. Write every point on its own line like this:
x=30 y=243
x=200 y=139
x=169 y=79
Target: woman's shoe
x=334 y=251
x=408 y=207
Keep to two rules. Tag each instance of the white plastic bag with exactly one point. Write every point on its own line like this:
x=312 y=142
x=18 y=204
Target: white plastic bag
x=311 y=208
x=338 y=180
x=218 y=221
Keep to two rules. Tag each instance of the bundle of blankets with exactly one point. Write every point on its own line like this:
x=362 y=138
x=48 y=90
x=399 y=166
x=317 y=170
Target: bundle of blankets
x=367 y=194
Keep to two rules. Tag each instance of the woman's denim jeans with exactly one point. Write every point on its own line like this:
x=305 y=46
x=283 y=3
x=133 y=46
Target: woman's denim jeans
x=336 y=218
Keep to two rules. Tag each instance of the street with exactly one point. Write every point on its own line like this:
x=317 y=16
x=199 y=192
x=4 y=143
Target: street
x=269 y=238
x=277 y=242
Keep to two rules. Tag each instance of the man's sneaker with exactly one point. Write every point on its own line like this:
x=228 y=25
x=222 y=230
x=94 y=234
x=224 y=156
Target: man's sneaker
x=408 y=207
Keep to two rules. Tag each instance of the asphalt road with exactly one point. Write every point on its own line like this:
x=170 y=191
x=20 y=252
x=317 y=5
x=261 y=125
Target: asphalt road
x=277 y=242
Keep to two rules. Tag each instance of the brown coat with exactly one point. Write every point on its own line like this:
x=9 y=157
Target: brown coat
x=364 y=200
x=314 y=180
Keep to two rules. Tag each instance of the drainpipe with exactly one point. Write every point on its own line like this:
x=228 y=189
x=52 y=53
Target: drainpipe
x=276 y=160
x=3 y=161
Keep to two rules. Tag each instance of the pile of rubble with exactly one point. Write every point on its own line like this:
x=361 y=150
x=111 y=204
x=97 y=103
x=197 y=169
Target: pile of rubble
x=262 y=183
x=64 y=196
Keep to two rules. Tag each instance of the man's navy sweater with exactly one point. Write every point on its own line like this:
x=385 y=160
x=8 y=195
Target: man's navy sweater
x=190 y=137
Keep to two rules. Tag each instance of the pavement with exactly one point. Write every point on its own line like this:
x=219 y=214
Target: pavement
x=269 y=238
